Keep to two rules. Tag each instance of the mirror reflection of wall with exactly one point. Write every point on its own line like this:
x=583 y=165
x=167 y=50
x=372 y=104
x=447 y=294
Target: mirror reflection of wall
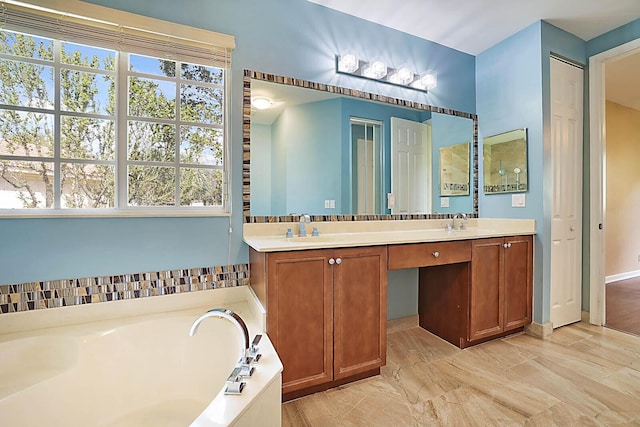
x=505 y=162
x=454 y=170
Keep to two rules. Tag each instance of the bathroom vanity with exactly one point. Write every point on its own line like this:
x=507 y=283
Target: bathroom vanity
x=326 y=296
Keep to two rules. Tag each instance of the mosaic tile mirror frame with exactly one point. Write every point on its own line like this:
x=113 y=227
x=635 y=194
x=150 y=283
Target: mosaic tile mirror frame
x=250 y=76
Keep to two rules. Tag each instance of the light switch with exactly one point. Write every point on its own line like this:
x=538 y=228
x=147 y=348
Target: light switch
x=332 y=204
x=391 y=201
x=444 y=202
x=518 y=200
x=327 y=204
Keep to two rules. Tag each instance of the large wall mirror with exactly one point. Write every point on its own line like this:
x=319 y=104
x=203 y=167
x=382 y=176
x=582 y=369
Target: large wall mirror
x=336 y=153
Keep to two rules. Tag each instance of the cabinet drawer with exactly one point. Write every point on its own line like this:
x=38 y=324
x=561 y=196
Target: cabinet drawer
x=427 y=254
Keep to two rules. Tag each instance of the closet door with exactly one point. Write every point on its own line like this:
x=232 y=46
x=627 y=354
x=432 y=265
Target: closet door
x=566 y=183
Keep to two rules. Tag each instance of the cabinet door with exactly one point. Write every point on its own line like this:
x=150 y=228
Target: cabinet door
x=299 y=316
x=485 y=293
x=518 y=260
x=360 y=310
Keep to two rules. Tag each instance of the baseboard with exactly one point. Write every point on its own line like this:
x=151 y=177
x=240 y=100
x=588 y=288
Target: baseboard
x=539 y=330
x=395 y=325
x=622 y=276
x=584 y=316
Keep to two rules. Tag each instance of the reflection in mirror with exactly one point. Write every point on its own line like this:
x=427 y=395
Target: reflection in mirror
x=366 y=156
x=505 y=162
x=454 y=170
x=327 y=151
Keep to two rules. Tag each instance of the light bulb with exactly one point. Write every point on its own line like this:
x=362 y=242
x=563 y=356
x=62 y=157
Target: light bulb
x=347 y=63
x=376 y=69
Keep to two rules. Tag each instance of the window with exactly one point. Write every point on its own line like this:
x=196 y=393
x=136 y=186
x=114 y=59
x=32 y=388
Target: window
x=92 y=128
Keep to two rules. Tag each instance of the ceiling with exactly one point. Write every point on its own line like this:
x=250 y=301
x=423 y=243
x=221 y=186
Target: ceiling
x=473 y=26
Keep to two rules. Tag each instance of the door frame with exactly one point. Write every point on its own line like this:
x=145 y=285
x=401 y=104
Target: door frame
x=597 y=177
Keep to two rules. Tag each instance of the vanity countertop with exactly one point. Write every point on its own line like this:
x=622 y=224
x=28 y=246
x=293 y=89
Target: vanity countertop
x=272 y=237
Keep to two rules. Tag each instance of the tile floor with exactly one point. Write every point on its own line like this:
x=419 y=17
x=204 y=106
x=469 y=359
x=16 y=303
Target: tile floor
x=583 y=375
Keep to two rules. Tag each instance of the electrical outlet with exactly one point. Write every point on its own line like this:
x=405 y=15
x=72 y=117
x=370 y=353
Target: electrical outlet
x=518 y=200
x=444 y=202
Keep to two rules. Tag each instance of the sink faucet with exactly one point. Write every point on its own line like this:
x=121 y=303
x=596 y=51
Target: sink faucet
x=304 y=219
x=461 y=219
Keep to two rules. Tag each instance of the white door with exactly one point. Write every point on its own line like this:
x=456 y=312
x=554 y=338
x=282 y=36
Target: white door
x=410 y=167
x=566 y=205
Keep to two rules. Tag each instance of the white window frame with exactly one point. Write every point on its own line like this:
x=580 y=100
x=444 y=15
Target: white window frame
x=103 y=16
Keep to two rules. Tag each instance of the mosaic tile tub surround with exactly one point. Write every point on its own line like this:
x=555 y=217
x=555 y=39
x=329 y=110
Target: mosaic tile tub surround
x=67 y=292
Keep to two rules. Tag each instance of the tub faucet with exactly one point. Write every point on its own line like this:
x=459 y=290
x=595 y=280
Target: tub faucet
x=304 y=219
x=462 y=221
x=224 y=313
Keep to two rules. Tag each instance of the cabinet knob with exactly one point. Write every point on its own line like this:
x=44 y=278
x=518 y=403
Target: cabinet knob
x=332 y=261
x=436 y=254
x=338 y=261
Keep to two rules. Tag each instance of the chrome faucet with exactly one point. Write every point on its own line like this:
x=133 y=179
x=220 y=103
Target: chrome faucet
x=304 y=219
x=461 y=223
x=248 y=352
x=224 y=313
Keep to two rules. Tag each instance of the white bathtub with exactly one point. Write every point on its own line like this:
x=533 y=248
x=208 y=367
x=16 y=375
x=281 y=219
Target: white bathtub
x=135 y=370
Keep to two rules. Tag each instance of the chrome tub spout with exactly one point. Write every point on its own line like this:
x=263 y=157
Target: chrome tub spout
x=224 y=313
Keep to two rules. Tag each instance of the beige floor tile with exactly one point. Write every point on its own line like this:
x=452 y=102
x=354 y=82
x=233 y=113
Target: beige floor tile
x=583 y=376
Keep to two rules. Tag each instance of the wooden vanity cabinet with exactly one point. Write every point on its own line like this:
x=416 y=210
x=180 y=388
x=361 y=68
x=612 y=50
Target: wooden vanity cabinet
x=326 y=313
x=471 y=291
x=501 y=286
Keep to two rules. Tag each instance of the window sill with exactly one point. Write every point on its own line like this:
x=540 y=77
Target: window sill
x=111 y=213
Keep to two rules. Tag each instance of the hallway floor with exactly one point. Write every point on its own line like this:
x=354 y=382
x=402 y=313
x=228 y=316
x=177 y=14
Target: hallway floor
x=623 y=305
x=584 y=375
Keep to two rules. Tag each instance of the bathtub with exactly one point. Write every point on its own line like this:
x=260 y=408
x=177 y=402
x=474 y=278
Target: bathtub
x=135 y=370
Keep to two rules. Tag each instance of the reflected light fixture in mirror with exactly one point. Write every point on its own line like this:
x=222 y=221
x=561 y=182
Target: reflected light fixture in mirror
x=261 y=102
x=377 y=69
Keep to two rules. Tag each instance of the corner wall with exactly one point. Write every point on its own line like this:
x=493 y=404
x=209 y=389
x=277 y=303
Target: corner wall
x=513 y=91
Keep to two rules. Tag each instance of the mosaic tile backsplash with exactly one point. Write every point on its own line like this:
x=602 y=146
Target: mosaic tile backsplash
x=59 y=293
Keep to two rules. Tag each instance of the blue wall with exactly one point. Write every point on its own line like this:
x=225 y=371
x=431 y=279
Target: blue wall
x=312 y=136
x=261 y=171
x=450 y=130
x=614 y=38
x=287 y=37
x=509 y=94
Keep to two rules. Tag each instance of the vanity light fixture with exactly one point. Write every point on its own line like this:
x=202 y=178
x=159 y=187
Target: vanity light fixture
x=427 y=81
x=378 y=70
x=348 y=63
x=402 y=76
x=261 y=102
